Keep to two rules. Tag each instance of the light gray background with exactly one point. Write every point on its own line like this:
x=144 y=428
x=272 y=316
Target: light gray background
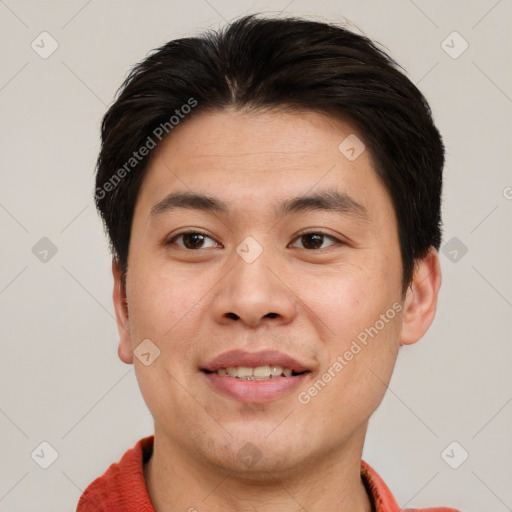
x=61 y=380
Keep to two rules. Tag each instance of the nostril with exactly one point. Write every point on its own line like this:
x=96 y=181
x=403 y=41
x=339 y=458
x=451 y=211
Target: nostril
x=234 y=316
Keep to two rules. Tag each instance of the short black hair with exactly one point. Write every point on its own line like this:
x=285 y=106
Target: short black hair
x=257 y=63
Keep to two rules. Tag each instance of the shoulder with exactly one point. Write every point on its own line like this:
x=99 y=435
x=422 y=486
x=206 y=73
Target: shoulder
x=382 y=497
x=435 y=509
x=122 y=487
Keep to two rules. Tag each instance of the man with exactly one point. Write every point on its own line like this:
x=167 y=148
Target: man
x=272 y=196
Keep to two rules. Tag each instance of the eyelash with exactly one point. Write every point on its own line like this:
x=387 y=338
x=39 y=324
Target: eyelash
x=197 y=232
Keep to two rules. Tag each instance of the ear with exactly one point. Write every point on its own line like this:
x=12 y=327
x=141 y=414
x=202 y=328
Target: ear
x=121 y=307
x=421 y=299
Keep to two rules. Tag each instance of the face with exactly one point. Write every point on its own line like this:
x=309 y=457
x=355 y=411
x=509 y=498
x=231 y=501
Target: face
x=290 y=260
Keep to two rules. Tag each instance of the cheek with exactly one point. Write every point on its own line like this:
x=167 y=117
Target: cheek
x=345 y=302
x=359 y=329
x=358 y=321
x=165 y=306
x=164 y=299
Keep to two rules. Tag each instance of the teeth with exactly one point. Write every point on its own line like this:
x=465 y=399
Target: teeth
x=262 y=371
x=259 y=373
x=244 y=371
x=232 y=371
x=275 y=371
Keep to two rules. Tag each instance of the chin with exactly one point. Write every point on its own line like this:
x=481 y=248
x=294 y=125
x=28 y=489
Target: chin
x=261 y=468
x=253 y=457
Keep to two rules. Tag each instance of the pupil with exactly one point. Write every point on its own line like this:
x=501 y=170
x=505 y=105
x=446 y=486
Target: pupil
x=192 y=240
x=316 y=241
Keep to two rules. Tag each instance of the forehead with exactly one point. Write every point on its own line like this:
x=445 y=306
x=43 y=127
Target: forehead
x=261 y=158
x=287 y=135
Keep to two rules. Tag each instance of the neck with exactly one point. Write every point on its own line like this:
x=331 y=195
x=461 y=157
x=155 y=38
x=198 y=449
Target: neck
x=177 y=480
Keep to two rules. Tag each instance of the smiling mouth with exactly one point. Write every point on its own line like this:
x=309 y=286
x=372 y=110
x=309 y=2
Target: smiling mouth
x=265 y=372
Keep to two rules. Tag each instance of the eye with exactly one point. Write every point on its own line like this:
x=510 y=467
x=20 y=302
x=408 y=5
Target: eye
x=315 y=240
x=192 y=240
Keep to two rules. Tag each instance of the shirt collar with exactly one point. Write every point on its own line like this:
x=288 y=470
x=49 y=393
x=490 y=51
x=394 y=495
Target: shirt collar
x=123 y=488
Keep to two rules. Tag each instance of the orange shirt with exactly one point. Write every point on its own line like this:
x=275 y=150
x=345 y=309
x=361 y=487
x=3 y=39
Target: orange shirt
x=123 y=489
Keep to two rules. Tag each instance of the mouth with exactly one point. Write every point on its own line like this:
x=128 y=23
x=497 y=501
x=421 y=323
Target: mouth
x=266 y=372
x=255 y=377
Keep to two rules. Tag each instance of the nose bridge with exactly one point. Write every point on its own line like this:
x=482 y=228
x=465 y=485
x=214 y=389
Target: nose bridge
x=253 y=275
x=253 y=290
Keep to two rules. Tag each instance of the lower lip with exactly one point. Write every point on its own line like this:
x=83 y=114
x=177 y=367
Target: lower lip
x=254 y=391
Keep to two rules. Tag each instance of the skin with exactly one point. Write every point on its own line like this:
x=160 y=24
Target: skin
x=196 y=303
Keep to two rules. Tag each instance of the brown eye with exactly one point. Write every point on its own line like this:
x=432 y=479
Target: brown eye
x=315 y=240
x=192 y=240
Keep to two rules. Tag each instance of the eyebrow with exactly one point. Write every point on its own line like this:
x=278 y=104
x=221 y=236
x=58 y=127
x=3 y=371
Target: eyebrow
x=325 y=200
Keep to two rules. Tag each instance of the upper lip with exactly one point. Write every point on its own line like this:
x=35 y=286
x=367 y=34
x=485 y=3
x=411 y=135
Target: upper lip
x=253 y=359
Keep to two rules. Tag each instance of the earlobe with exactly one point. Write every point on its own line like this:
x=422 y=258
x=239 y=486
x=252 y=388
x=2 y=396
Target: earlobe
x=125 y=351
x=421 y=299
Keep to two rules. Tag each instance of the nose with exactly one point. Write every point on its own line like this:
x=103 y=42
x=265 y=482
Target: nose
x=253 y=294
